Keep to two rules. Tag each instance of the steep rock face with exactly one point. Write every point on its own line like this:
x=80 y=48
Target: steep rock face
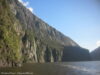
x=96 y=54
x=39 y=27
x=24 y=38
x=75 y=54
x=10 y=35
x=49 y=42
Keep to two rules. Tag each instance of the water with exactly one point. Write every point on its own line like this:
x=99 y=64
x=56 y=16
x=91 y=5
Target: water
x=65 y=68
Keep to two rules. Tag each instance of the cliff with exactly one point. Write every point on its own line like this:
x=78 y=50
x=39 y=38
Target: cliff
x=96 y=54
x=24 y=38
x=75 y=54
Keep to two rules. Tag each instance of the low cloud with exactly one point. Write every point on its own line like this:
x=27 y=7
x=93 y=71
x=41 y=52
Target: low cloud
x=30 y=8
x=98 y=43
x=26 y=4
x=20 y=0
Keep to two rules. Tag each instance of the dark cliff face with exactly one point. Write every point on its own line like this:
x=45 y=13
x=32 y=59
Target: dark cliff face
x=24 y=38
x=75 y=54
x=96 y=54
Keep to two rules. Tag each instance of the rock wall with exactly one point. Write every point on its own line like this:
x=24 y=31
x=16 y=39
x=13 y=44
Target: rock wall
x=95 y=54
x=24 y=38
x=75 y=54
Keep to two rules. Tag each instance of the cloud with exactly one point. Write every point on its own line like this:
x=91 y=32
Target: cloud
x=20 y=1
x=30 y=8
x=26 y=4
x=98 y=43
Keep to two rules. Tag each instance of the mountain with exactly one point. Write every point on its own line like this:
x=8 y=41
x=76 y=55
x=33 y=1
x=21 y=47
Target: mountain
x=25 y=38
x=96 y=54
x=75 y=53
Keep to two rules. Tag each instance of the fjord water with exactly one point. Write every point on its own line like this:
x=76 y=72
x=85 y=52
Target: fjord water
x=63 y=68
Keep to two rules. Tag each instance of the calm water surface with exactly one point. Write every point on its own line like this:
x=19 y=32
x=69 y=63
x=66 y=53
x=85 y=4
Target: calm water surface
x=65 y=68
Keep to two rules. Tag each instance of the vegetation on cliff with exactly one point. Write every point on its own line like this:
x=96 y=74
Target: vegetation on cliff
x=24 y=38
x=9 y=39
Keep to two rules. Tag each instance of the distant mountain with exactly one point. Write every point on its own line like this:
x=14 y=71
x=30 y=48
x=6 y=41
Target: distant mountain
x=96 y=54
x=75 y=53
x=24 y=38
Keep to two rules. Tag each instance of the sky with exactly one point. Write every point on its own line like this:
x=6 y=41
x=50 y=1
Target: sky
x=77 y=19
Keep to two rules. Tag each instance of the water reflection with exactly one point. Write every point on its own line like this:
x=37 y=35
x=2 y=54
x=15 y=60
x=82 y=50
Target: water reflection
x=65 y=68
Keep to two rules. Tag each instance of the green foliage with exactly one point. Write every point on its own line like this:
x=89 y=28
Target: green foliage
x=29 y=35
x=9 y=40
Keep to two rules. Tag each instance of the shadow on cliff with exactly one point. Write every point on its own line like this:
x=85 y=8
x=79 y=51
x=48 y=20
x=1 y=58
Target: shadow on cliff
x=75 y=54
